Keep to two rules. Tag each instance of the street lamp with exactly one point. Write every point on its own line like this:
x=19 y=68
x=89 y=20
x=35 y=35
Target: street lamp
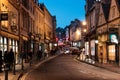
x=84 y=30
x=84 y=23
x=78 y=32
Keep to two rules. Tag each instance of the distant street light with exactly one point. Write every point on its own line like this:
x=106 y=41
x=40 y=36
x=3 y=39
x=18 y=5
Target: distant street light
x=78 y=32
x=84 y=22
x=84 y=26
x=84 y=30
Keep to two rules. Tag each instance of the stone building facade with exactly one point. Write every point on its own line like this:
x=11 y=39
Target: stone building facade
x=107 y=31
x=25 y=25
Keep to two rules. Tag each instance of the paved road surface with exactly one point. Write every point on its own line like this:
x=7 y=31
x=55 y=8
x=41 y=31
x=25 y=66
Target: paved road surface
x=65 y=67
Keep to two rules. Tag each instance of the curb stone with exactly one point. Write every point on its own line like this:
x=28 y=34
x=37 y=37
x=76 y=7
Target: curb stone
x=100 y=66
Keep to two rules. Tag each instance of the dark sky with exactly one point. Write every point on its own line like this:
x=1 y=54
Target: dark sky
x=65 y=10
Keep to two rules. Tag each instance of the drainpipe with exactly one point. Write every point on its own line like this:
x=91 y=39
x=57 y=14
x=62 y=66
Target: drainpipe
x=119 y=40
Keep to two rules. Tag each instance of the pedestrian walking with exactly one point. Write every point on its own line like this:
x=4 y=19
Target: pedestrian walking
x=11 y=58
x=52 y=52
x=21 y=57
x=101 y=57
x=6 y=57
x=45 y=53
x=1 y=61
x=78 y=54
x=30 y=54
x=39 y=55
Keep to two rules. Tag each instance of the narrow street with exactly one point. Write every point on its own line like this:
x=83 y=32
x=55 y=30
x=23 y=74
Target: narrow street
x=65 y=67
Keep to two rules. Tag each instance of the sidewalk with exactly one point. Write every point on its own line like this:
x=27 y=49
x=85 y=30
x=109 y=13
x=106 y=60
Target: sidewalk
x=19 y=72
x=107 y=66
x=10 y=73
x=111 y=67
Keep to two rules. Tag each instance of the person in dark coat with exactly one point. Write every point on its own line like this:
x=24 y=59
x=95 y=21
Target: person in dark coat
x=21 y=56
x=1 y=61
x=6 y=57
x=11 y=58
x=30 y=54
x=39 y=54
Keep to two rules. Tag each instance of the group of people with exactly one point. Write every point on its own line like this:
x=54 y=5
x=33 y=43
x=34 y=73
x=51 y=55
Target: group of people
x=8 y=59
x=28 y=57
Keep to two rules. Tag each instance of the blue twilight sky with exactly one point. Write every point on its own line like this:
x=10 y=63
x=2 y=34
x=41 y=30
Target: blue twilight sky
x=65 y=10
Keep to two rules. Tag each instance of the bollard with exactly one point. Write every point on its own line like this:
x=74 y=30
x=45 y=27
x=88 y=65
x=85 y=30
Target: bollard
x=6 y=70
x=22 y=66
x=6 y=74
x=14 y=72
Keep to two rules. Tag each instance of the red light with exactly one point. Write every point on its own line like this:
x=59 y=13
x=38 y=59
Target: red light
x=56 y=39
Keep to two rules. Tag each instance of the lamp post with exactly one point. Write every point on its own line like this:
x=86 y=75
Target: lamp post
x=84 y=30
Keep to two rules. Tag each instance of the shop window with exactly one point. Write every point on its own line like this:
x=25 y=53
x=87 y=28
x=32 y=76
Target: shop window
x=32 y=46
x=16 y=46
x=1 y=44
x=4 y=24
x=5 y=44
x=111 y=51
x=10 y=43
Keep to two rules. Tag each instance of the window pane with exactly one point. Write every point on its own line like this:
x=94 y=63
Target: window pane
x=9 y=41
x=5 y=41
x=13 y=42
x=1 y=40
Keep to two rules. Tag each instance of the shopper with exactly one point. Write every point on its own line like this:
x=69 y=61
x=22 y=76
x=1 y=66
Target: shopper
x=1 y=61
x=11 y=58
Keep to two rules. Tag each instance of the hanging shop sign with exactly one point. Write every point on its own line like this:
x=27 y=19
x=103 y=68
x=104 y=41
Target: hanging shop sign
x=3 y=16
x=113 y=38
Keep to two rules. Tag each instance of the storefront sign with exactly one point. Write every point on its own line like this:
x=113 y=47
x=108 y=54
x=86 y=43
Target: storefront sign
x=86 y=48
x=4 y=16
x=113 y=38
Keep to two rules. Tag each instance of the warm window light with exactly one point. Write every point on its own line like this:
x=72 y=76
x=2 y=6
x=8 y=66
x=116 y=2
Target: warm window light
x=84 y=22
x=55 y=44
x=85 y=30
x=96 y=41
x=78 y=32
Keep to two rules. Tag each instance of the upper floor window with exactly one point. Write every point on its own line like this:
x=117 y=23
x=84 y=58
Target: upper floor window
x=24 y=2
x=113 y=12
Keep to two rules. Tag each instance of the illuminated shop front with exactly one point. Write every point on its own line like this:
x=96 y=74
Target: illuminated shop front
x=50 y=46
x=76 y=44
x=24 y=44
x=86 y=48
x=7 y=43
x=102 y=48
x=111 y=52
x=92 y=48
x=113 y=48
